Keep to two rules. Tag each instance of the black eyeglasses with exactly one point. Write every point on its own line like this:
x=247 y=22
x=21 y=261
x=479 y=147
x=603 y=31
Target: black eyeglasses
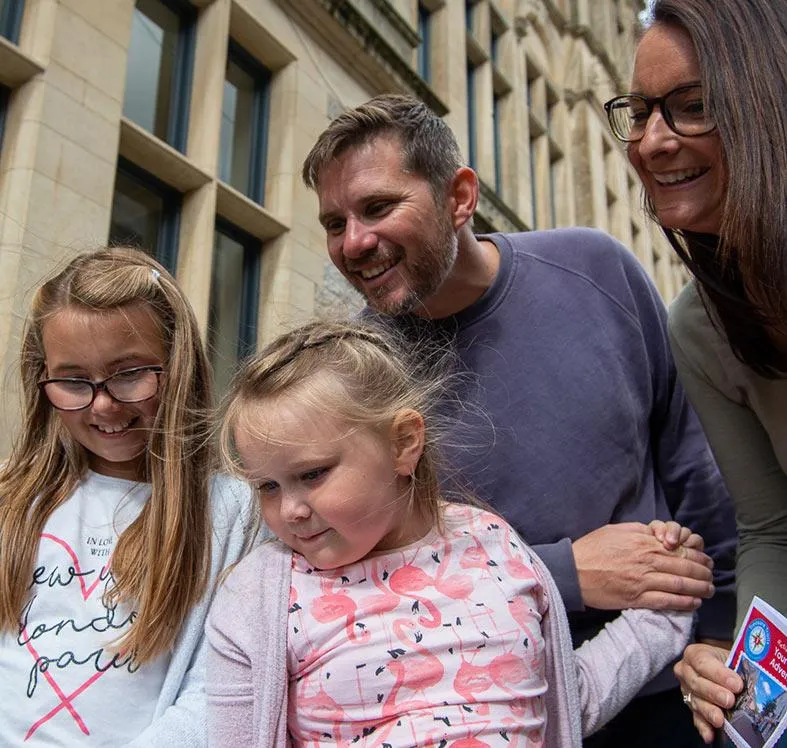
x=682 y=108
x=129 y=386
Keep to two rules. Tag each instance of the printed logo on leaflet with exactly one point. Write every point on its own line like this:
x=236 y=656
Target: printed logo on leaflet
x=758 y=639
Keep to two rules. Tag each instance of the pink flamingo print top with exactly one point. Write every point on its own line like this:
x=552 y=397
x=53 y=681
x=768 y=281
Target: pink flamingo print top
x=437 y=643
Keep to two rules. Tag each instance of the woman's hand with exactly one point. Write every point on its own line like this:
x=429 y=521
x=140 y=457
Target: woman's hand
x=708 y=686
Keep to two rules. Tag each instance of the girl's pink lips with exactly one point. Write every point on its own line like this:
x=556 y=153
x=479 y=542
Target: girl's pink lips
x=310 y=538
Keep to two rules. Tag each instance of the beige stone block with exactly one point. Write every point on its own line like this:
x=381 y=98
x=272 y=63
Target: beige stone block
x=76 y=122
x=110 y=108
x=70 y=220
x=302 y=293
x=195 y=255
x=208 y=85
x=309 y=263
x=111 y=17
x=72 y=166
x=90 y=54
x=65 y=81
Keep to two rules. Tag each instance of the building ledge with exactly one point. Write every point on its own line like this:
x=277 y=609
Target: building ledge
x=247 y=215
x=158 y=158
x=16 y=67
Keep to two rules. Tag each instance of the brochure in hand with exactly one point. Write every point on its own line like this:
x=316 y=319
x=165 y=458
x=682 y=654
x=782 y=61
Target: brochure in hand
x=759 y=717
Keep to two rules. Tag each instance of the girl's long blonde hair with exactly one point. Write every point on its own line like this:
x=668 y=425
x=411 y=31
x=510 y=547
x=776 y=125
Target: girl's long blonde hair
x=160 y=563
x=358 y=373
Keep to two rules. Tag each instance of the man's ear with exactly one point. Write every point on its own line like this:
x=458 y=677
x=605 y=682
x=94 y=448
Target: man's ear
x=463 y=196
x=407 y=440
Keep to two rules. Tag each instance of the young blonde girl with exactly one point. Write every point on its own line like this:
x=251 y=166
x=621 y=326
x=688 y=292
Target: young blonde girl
x=112 y=527
x=384 y=615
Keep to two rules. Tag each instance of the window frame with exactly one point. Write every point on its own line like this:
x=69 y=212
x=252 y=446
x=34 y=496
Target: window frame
x=250 y=291
x=258 y=157
x=11 y=20
x=169 y=230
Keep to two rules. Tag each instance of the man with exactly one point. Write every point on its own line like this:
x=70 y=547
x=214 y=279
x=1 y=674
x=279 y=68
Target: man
x=579 y=433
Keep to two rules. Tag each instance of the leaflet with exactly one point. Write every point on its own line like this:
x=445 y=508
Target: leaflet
x=759 y=717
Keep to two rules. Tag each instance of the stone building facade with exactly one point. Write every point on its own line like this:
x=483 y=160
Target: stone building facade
x=181 y=125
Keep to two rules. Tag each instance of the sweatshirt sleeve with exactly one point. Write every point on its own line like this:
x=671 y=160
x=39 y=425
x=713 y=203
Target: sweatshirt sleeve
x=616 y=663
x=559 y=559
x=229 y=689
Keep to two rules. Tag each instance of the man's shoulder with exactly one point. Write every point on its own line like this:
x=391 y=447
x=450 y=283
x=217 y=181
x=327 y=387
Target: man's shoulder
x=571 y=248
x=598 y=263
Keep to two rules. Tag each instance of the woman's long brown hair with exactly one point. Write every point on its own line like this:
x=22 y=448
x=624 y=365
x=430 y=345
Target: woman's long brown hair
x=742 y=50
x=160 y=563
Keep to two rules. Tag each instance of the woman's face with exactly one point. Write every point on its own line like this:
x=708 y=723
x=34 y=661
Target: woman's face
x=684 y=176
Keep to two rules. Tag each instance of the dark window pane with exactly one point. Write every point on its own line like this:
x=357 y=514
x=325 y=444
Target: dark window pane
x=159 y=71
x=498 y=144
x=137 y=214
x=11 y=18
x=4 y=96
x=145 y=214
x=233 y=305
x=471 y=115
x=424 y=49
x=237 y=127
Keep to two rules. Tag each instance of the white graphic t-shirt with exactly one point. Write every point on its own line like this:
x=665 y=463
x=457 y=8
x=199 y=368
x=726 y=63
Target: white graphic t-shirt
x=62 y=682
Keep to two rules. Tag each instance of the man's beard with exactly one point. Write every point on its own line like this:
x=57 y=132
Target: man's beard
x=425 y=275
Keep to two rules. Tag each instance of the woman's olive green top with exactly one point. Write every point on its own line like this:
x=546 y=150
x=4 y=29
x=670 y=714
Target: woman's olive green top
x=745 y=419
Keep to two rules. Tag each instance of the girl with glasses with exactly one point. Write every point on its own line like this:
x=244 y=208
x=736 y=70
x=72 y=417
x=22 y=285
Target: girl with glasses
x=384 y=614
x=112 y=526
x=706 y=131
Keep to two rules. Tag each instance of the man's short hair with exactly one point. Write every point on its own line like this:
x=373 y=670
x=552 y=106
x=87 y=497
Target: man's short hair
x=429 y=148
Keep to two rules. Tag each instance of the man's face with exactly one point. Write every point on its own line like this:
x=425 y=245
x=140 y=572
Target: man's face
x=385 y=232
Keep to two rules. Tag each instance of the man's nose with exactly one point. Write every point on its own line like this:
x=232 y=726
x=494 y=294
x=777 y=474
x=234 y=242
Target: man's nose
x=359 y=239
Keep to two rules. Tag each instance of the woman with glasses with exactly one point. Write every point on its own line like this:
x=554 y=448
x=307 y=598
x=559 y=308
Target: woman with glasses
x=112 y=528
x=706 y=131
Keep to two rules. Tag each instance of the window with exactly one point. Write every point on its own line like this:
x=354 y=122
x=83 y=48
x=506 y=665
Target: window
x=11 y=19
x=145 y=214
x=471 y=128
x=234 y=300
x=160 y=62
x=498 y=143
x=244 y=124
x=425 y=47
x=469 y=15
x=4 y=97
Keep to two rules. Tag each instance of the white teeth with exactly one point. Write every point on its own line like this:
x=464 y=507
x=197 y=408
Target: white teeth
x=113 y=429
x=376 y=270
x=674 y=177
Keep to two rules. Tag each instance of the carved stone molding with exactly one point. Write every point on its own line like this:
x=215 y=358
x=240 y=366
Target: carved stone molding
x=361 y=48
